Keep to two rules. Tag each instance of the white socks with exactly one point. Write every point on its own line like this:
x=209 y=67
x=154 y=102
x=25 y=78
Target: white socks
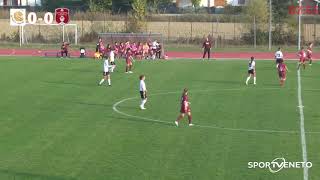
x=248 y=78
x=102 y=80
x=254 y=80
x=143 y=102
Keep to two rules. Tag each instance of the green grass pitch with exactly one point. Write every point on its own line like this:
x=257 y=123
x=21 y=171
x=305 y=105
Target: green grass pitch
x=57 y=124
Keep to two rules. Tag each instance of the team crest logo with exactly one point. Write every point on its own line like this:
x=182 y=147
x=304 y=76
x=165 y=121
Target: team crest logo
x=17 y=17
x=62 y=15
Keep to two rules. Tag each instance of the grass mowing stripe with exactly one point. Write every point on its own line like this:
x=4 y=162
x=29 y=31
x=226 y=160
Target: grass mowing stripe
x=302 y=130
x=115 y=108
x=62 y=125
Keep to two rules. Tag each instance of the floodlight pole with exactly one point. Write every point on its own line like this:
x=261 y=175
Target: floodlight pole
x=270 y=24
x=20 y=35
x=63 y=32
x=76 y=35
x=254 y=32
x=299 y=19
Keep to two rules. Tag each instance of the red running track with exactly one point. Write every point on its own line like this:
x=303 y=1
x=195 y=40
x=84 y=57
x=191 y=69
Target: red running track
x=171 y=55
x=237 y=55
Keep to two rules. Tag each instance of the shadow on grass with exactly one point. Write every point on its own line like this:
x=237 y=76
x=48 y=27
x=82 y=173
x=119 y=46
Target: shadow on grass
x=10 y=174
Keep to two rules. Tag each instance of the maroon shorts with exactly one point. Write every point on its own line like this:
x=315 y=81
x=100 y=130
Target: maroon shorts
x=129 y=62
x=282 y=75
x=185 y=110
x=309 y=56
x=302 y=60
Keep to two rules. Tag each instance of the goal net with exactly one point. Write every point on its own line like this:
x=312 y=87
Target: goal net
x=47 y=34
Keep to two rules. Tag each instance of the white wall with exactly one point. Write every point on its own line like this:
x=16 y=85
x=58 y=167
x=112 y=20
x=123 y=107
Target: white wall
x=187 y=3
x=205 y=3
x=235 y=2
x=23 y=2
x=30 y=2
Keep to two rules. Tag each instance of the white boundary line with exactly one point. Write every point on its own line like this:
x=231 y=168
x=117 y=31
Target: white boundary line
x=227 y=58
x=302 y=129
x=115 y=108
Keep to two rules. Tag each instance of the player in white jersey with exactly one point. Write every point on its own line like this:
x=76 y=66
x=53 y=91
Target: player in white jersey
x=252 y=71
x=154 y=46
x=143 y=92
x=112 y=62
x=278 y=56
x=106 y=72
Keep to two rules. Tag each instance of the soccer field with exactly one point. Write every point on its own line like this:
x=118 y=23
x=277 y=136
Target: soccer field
x=56 y=123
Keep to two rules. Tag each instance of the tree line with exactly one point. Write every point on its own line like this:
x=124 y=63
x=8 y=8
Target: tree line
x=255 y=12
x=103 y=5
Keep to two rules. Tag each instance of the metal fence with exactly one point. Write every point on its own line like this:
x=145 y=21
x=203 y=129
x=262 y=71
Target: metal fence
x=225 y=30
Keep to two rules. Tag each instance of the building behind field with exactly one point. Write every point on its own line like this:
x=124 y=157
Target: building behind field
x=20 y=2
x=237 y=2
x=203 y=3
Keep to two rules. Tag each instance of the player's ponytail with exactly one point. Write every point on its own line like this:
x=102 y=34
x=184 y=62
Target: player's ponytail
x=185 y=90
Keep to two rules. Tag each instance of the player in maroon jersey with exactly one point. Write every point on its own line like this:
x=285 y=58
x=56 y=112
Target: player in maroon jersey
x=150 y=52
x=282 y=71
x=206 y=46
x=101 y=46
x=134 y=49
x=65 y=49
x=302 y=58
x=127 y=45
x=129 y=59
x=116 y=49
x=107 y=49
x=185 y=108
x=309 y=53
x=139 y=50
x=121 y=50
